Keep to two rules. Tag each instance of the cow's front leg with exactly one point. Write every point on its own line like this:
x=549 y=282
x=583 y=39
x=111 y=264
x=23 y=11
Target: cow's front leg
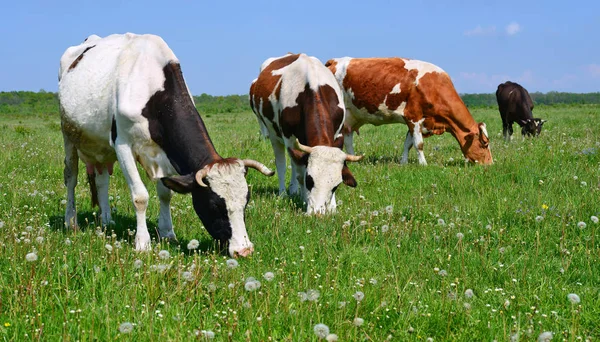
x=70 y=178
x=102 y=181
x=408 y=143
x=139 y=194
x=506 y=128
x=418 y=142
x=165 y=223
x=279 y=150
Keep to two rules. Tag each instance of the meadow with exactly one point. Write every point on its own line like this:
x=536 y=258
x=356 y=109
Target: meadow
x=446 y=252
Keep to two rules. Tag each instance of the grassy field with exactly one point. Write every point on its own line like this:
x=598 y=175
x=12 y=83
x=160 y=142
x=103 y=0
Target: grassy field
x=447 y=252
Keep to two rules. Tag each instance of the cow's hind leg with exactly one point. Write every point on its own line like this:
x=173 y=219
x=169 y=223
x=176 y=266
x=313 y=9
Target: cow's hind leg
x=102 y=180
x=506 y=131
x=418 y=142
x=139 y=194
x=408 y=143
x=165 y=223
x=70 y=178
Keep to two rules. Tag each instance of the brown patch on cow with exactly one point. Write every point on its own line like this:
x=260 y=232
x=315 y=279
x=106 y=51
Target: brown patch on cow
x=332 y=65
x=78 y=59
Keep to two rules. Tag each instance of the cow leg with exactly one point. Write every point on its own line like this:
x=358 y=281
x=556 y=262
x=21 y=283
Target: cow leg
x=70 y=179
x=139 y=194
x=279 y=151
x=408 y=142
x=331 y=208
x=102 y=180
x=295 y=181
x=349 y=142
x=418 y=142
x=505 y=130
x=165 y=223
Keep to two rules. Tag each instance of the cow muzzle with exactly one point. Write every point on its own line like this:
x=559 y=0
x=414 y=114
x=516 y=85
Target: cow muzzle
x=244 y=252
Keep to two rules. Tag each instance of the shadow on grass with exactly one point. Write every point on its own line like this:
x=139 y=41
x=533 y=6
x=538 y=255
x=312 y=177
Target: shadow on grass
x=126 y=224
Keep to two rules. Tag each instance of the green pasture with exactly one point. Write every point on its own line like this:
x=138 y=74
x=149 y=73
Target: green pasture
x=518 y=234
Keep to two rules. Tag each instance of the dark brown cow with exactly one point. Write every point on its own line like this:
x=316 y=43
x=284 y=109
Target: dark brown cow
x=421 y=95
x=515 y=105
x=300 y=105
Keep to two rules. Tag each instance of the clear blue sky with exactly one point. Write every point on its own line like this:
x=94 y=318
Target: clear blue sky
x=544 y=45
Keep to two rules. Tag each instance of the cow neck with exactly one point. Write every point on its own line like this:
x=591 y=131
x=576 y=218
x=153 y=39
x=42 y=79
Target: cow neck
x=176 y=126
x=462 y=125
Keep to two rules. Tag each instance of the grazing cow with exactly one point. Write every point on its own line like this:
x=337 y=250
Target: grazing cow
x=419 y=94
x=300 y=105
x=515 y=105
x=123 y=97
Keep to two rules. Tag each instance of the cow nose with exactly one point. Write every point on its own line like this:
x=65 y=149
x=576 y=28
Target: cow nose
x=244 y=252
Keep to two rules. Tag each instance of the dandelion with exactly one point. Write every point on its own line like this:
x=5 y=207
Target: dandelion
x=269 y=276
x=331 y=338
x=313 y=295
x=441 y=222
x=138 y=263
x=546 y=336
x=193 y=244
x=164 y=254
x=359 y=296
x=126 y=328
x=358 y=321
x=573 y=298
x=39 y=239
x=593 y=218
x=301 y=248
x=31 y=257
x=187 y=276
x=443 y=273
x=108 y=247
x=539 y=218
x=1 y=224
x=303 y=296
x=583 y=183
x=545 y=206
x=469 y=293
x=389 y=209
x=211 y=287
x=506 y=304
x=373 y=281
x=68 y=242
x=460 y=235
x=96 y=269
x=118 y=244
x=208 y=334
x=63 y=202
x=232 y=263
x=252 y=285
x=467 y=306
x=321 y=330
x=581 y=225
x=385 y=228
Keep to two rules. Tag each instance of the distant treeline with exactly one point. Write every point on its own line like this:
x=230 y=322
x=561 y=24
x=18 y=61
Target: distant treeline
x=46 y=103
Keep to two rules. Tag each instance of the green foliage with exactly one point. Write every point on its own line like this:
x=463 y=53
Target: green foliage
x=550 y=98
x=395 y=238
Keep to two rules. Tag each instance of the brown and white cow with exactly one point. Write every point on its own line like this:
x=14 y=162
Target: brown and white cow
x=421 y=95
x=299 y=103
x=123 y=98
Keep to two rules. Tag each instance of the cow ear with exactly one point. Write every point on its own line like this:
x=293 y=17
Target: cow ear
x=348 y=178
x=299 y=157
x=181 y=184
x=483 y=135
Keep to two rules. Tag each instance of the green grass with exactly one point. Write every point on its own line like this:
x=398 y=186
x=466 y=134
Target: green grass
x=519 y=269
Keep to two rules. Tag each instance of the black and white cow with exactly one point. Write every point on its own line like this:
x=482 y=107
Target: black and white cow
x=123 y=98
x=299 y=103
x=515 y=105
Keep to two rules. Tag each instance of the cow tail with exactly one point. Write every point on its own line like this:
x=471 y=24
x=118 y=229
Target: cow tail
x=93 y=189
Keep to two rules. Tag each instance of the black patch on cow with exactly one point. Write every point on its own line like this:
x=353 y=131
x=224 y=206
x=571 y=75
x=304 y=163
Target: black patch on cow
x=113 y=130
x=78 y=59
x=310 y=183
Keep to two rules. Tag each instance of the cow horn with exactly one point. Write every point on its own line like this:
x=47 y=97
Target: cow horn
x=303 y=148
x=353 y=158
x=258 y=166
x=200 y=175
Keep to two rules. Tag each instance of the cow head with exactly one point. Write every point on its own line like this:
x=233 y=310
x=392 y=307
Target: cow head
x=477 y=146
x=532 y=127
x=323 y=169
x=220 y=195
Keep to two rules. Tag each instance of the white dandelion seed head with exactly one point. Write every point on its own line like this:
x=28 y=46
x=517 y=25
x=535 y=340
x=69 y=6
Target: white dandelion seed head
x=187 y=276
x=232 y=263
x=193 y=244
x=460 y=235
x=303 y=296
x=118 y=244
x=385 y=228
x=389 y=209
x=539 y=218
x=313 y=295
x=1 y=224
x=342 y=304
x=321 y=330
x=252 y=285
x=138 y=263
x=358 y=321
x=164 y=254
x=502 y=250
x=583 y=183
x=269 y=276
x=594 y=219
x=467 y=306
x=68 y=242
x=301 y=248
x=573 y=298
x=126 y=328
x=506 y=304
x=211 y=287
x=359 y=296
x=207 y=334
x=581 y=225
x=443 y=273
x=429 y=339
x=332 y=338
x=546 y=336
x=63 y=202
x=373 y=281
x=109 y=247
x=441 y=222
x=31 y=257
x=469 y=293
x=39 y=239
